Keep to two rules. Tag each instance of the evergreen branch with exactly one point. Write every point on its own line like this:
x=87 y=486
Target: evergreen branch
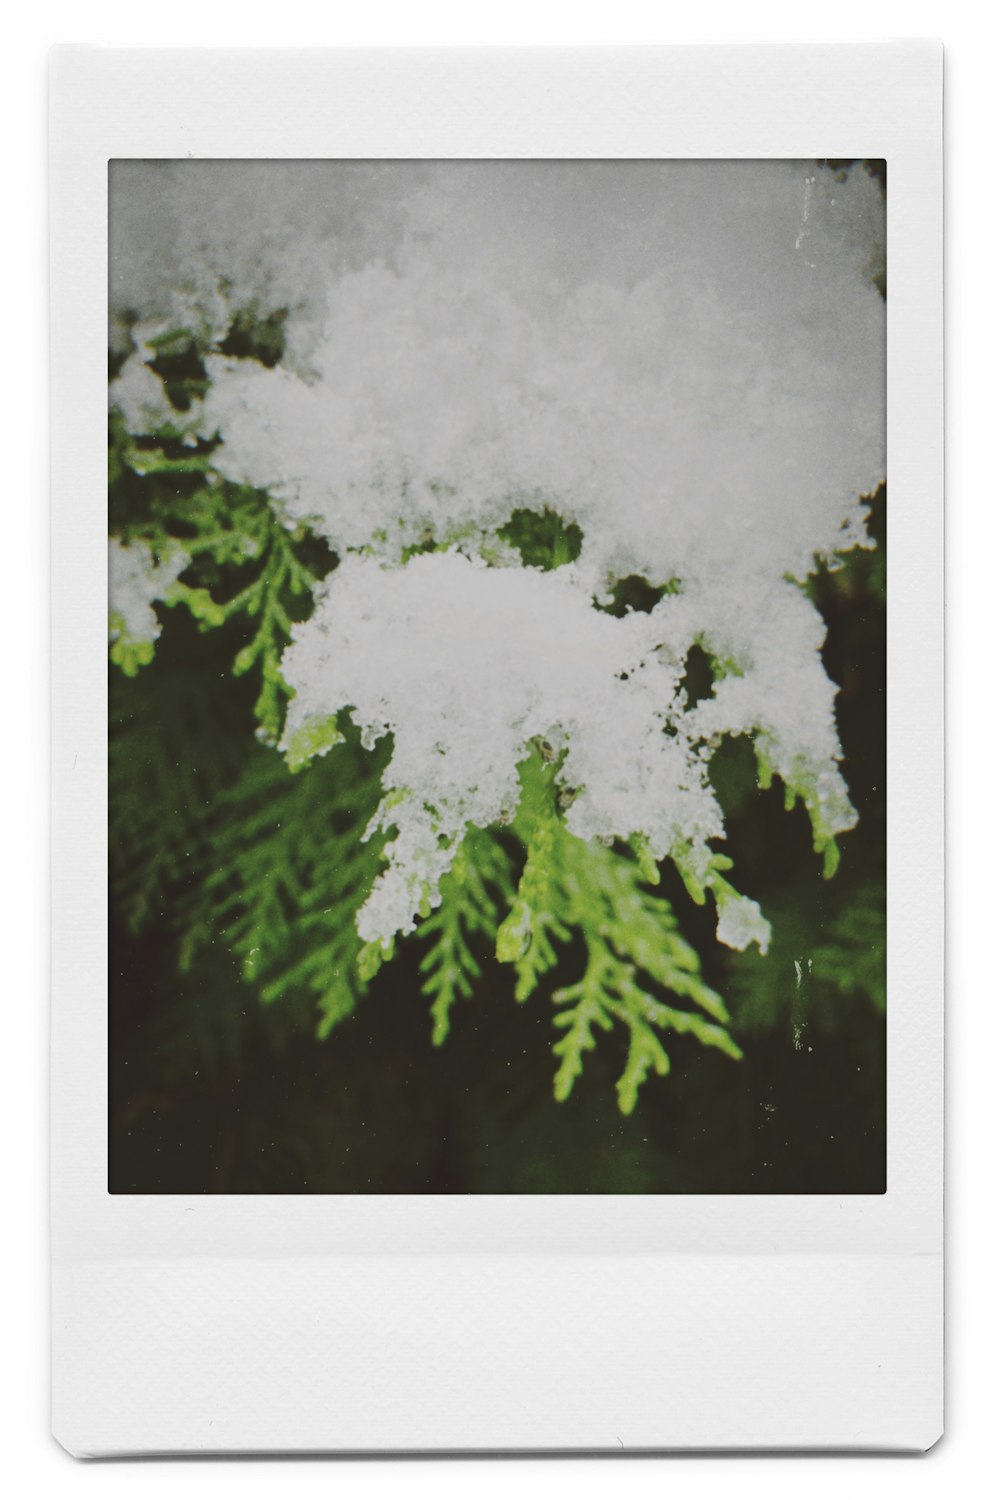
x=645 y=1050
x=527 y=937
x=167 y=766
x=290 y=873
x=245 y=858
x=222 y=527
x=477 y=885
x=570 y=886
x=586 y=1005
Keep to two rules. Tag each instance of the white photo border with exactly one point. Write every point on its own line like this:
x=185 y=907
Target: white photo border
x=514 y=1323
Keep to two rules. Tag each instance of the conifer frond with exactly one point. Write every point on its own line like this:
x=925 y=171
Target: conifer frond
x=633 y=946
x=477 y=886
x=586 y=1006
x=167 y=765
x=165 y=494
x=854 y=956
x=243 y=856
x=290 y=870
x=817 y=967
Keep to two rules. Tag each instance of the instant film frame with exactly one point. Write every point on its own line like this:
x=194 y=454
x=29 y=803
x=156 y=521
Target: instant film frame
x=312 y=1324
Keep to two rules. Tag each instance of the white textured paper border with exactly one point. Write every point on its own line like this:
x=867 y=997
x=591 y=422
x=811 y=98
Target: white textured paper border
x=186 y=1324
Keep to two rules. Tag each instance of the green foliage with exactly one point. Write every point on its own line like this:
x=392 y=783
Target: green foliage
x=256 y=335
x=229 y=530
x=527 y=937
x=246 y=859
x=166 y=770
x=633 y=947
x=543 y=538
x=240 y=855
x=813 y=968
x=476 y=887
x=267 y=600
x=212 y=1026
x=289 y=871
x=125 y=653
x=247 y=565
x=802 y=789
x=853 y=958
x=312 y=740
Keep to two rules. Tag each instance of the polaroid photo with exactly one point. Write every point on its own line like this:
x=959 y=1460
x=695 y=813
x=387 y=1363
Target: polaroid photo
x=497 y=661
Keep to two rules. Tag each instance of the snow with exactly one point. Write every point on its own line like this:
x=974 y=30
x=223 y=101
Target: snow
x=135 y=581
x=141 y=399
x=685 y=359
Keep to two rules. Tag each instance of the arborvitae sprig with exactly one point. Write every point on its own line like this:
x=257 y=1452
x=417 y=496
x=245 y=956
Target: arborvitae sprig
x=477 y=887
x=633 y=946
x=168 y=763
x=164 y=491
x=289 y=871
x=218 y=843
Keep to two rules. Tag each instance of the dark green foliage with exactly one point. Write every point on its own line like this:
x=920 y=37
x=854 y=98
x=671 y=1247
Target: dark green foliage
x=258 y=336
x=543 y=538
x=853 y=957
x=635 y=595
x=166 y=771
x=817 y=964
x=289 y=870
x=215 y=842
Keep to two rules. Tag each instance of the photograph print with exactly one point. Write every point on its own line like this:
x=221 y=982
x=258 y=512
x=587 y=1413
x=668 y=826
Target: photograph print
x=497 y=581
